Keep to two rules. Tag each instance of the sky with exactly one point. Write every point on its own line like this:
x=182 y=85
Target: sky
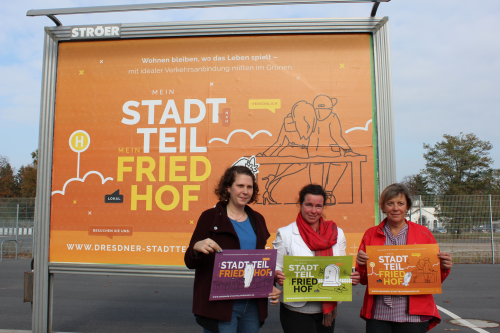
x=445 y=66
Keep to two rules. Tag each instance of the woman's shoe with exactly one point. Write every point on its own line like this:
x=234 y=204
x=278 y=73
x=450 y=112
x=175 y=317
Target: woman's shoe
x=267 y=199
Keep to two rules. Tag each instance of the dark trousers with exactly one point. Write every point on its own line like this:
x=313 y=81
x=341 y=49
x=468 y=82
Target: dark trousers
x=296 y=322
x=381 y=326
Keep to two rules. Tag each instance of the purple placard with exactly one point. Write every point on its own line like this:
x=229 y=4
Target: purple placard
x=241 y=274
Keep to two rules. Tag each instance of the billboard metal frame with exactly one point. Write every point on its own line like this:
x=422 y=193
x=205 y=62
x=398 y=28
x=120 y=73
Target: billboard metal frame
x=44 y=270
x=51 y=13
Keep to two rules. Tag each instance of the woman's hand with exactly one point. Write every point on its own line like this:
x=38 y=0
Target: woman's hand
x=274 y=297
x=279 y=276
x=206 y=246
x=362 y=258
x=355 y=277
x=446 y=260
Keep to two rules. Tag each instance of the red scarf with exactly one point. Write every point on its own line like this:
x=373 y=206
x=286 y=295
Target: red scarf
x=320 y=241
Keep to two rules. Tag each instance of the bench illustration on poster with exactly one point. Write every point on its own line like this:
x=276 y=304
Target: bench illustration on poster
x=310 y=140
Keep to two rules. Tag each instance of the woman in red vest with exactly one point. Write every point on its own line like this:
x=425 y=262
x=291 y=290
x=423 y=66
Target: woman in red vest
x=400 y=313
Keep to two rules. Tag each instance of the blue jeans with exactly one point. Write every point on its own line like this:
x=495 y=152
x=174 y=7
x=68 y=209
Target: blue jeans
x=245 y=318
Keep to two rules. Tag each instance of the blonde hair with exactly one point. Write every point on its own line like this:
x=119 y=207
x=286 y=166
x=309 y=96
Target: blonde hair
x=305 y=119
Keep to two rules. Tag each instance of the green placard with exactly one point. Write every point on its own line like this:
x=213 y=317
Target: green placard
x=317 y=279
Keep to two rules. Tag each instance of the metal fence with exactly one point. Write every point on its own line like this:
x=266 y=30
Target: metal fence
x=17 y=226
x=467 y=226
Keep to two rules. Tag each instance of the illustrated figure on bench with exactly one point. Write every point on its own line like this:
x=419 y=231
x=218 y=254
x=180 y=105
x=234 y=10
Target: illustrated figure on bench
x=306 y=129
x=328 y=133
x=424 y=270
x=293 y=141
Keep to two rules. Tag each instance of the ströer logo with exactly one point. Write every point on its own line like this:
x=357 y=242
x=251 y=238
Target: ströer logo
x=96 y=31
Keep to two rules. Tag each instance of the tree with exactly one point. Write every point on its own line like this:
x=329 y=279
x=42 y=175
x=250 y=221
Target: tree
x=416 y=184
x=418 y=187
x=460 y=165
x=26 y=178
x=8 y=185
x=34 y=156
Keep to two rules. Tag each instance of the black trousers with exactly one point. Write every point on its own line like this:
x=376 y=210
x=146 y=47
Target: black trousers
x=296 y=322
x=381 y=326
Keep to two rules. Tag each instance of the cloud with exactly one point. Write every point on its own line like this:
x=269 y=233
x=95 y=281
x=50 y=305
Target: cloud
x=82 y=180
x=226 y=141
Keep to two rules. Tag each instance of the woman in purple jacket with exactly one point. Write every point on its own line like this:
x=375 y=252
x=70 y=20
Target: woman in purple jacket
x=231 y=224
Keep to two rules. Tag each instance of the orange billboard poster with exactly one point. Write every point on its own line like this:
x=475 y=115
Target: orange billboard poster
x=144 y=128
x=404 y=269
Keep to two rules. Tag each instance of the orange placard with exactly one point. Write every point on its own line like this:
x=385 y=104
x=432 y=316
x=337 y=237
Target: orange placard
x=403 y=269
x=144 y=129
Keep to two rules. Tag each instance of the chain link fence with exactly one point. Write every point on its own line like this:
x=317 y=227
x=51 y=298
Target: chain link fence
x=17 y=217
x=467 y=226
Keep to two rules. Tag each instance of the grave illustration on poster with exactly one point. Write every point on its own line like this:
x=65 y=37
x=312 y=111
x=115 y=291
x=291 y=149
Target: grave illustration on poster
x=242 y=274
x=317 y=279
x=404 y=269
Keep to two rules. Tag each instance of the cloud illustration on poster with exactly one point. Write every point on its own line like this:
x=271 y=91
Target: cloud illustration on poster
x=239 y=131
x=82 y=180
x=360 y=128
x=79 y=141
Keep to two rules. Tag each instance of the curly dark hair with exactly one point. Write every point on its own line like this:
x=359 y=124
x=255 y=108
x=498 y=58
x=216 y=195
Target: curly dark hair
x=228 y=179
x=313 y=189
x=393 y=191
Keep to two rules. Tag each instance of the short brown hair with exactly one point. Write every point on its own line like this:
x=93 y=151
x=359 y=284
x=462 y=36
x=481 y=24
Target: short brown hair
x=313 y=189
x=228 y=179
x=393 y=191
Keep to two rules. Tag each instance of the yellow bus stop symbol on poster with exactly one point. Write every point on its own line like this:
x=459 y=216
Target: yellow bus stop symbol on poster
x=79 y=141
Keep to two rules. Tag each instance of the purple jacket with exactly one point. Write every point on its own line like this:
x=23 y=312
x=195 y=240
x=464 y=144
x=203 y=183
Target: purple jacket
x=214 y=224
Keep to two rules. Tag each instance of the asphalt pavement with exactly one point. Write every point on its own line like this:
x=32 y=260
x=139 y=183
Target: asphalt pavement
x=100 y=303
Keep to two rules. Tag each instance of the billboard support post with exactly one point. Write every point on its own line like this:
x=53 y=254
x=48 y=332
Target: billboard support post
x=44 y=270
x=385 y=119
x=41 y=290
x=374 y=9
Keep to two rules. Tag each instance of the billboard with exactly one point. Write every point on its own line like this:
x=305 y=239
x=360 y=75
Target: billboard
x=144 y=128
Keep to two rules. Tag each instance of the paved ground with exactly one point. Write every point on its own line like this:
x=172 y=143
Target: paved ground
x=94 y=303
